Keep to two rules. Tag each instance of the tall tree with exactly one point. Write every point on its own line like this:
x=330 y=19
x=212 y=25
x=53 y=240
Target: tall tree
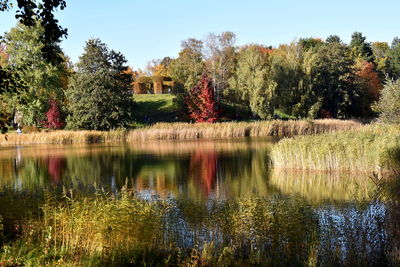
x=28 y=13
x=369 y=87
x=100 y=95
x=360 y=48
x=333 y=39
x=394 y=59
x=286 y=73
x=220 y=60
x=31 y=11
x=251 y=81
x=188 y=67
x=43 y=80
x=380 y=51
x=328 y=86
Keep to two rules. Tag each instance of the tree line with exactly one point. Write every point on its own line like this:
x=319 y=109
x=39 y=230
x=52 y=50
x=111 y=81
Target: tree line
x=308 y=78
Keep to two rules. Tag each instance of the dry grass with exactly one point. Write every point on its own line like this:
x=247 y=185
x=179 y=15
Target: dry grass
x=64 y=137
x=180 y=131
x=184 y=131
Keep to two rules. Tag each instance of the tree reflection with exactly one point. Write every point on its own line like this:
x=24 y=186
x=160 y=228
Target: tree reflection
x=203 y=169
x=55 y=168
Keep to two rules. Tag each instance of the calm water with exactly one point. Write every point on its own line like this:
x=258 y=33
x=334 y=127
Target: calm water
x=341 y=218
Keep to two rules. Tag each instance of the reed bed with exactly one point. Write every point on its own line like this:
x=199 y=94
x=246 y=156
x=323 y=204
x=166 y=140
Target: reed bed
x=373 y=148
x=179 y=131
x=125 y=230
x=64 y=137
x=184 y=131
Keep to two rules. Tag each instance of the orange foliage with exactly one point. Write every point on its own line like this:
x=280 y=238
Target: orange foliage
x=370 y=78
x=265 y=50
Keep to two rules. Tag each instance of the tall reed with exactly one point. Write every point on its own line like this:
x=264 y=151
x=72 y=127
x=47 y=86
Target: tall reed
x=182 y=131
x=373 y=148
x=124 y=229
x=178 y=131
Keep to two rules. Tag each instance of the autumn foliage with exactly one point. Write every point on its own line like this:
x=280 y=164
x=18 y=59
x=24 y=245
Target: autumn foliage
x=53 y=115
x=201 y=103
x=370 y=79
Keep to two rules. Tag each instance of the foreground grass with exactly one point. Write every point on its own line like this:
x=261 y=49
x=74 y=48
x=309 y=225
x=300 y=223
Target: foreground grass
x=374 y=148
x=182 y=131
x=125 y=230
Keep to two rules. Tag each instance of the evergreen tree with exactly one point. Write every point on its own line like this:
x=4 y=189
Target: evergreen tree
x=394 y=59
x=360 y=48
x=99 y=94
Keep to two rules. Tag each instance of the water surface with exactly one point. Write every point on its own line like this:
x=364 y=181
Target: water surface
x=223 y=191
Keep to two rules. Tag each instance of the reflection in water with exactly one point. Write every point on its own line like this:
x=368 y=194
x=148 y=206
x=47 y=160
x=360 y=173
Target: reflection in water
x=224 y=192
x=203 y=169
x=195 y=170
x=319 y=187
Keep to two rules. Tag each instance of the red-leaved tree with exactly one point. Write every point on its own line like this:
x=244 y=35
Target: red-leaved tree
x=53 y=115
x=201 y=103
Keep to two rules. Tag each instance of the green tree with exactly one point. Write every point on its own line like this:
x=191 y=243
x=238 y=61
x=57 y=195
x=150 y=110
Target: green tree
x=328 y=83
x=360 y=48
x=251 y=81
x=380 y=51
x=28 y=13
x=220 y=62
x=389 y=102
x=394 y=59
x=333 y=39
x=31 y=11
x=188 y=67
x=309 y=43
x=99 y=94
x=43 y=80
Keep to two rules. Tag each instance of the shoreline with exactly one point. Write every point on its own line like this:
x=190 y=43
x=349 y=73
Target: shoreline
x=184 y=131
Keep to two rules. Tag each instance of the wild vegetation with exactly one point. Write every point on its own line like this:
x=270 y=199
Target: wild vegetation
x=308 y=91
x=374 y=148
x=182 y=131
x=122 y=229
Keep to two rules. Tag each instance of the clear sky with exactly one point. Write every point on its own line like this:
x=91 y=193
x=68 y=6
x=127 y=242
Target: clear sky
x=147 y=29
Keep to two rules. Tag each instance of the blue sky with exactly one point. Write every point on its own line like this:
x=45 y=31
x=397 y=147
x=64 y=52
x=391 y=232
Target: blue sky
x=143 y=29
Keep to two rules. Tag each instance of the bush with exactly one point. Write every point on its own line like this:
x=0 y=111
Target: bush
x=389 y=102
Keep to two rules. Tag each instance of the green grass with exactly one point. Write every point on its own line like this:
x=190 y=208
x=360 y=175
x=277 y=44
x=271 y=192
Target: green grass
x=157 y=107
x=373 y=148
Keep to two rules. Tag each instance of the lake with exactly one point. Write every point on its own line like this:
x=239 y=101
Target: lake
x=222 y=192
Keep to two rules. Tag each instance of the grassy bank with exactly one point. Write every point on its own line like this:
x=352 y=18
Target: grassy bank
x=372 y=148
x=156 y=107
x=182 y=131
